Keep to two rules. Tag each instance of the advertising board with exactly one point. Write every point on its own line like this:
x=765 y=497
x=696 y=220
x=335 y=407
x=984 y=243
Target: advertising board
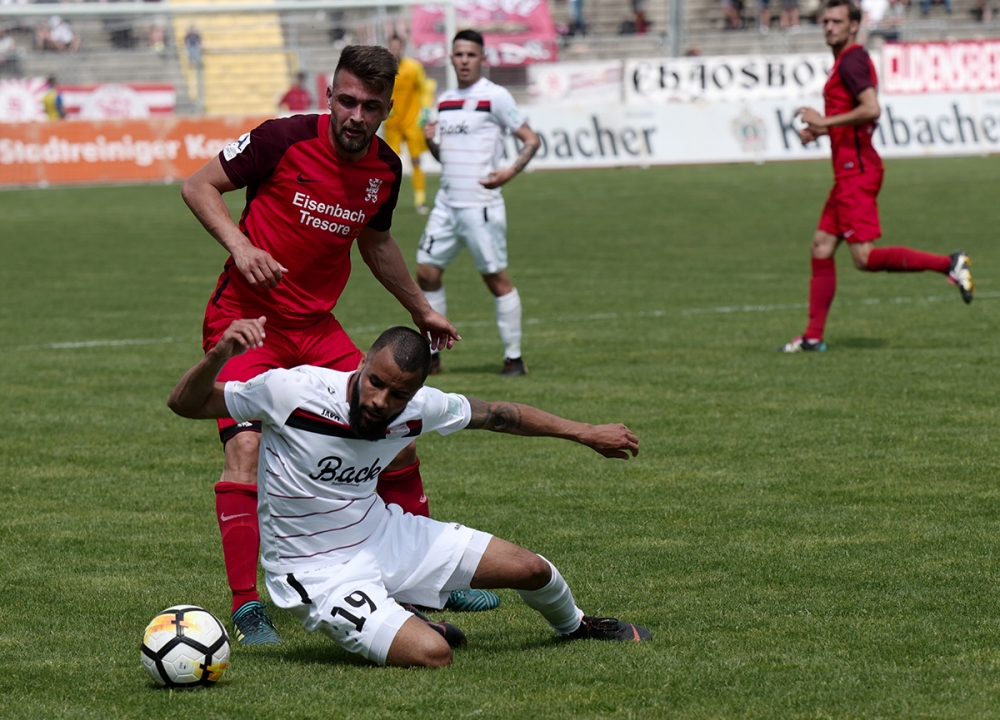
x=113 y=151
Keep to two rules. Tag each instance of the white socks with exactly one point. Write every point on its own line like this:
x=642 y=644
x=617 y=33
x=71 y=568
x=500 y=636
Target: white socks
x=508 y=309
x=555 y=603
x=509 y=323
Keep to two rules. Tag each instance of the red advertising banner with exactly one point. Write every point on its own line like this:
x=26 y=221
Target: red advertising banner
x=21 y=100
x=939 y=67
x=113 y=150
x=517 y=32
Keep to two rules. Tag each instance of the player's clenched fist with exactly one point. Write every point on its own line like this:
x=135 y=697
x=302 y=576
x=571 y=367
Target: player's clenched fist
x=258 y=267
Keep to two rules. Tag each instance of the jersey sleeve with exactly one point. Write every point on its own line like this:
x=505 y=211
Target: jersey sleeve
x=855 y=72
x=445 y=412
x=253 y=158
x=270 y=397
x=382 y=220
x=506 y=111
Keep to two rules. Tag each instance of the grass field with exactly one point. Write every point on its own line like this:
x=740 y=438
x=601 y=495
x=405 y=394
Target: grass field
x=806 y=536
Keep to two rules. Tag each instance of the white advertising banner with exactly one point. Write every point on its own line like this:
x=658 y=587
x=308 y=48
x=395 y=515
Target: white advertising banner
x=725 y=78
x=968 y=66
x=575 y=82
x=755 y=131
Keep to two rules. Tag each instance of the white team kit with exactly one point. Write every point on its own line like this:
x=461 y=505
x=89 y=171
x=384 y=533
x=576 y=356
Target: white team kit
x=334 y=554
x=472 y=124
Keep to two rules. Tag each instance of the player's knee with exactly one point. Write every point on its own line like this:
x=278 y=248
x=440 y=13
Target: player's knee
x=537 y=572
x=428 y=278
x=241 y=457
x=435 y=654
x=431 y=651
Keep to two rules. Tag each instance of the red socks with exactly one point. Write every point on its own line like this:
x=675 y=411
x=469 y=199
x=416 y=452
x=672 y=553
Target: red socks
x=236 y=509
x=903 y=259
x=822 y=288
x=405 y=488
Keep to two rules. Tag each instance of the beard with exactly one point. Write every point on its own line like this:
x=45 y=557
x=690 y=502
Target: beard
x=352 y=145
x=362 y=427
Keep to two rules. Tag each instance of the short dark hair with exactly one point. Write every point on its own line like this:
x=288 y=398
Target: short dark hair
x=410 y=350
x=373 y=65
x=853 y=11
x=470 y=35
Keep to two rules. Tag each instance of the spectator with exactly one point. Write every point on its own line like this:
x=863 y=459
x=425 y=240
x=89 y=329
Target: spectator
x=925 y=6
x=789 y=14
x=578 y=26
x=882 y=17
x=765 y=16
x=297 y=99
x=733 y=8
x=52 y=100
x=983 y=10
x=192 y=43
x=158 y=34
x=57 y=35
x=639 y=13
x=10 y=63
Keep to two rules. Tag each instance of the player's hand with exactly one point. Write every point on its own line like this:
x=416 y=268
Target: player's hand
x=612 y=441
x=430 y=129
x=438 y=330
x=806 y=135
x=258 y=267
x=497 y=178
x=240 y=336
x=811 y=117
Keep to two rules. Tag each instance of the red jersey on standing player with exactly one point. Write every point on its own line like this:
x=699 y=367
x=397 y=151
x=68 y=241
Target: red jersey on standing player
x=851 y=210
x=305 y=206
x=852 y=73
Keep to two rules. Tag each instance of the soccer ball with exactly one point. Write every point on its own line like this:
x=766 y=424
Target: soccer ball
x=185 y=646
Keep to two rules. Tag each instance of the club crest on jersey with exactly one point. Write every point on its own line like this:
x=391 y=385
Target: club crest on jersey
x=374 y=185
x=411 y=428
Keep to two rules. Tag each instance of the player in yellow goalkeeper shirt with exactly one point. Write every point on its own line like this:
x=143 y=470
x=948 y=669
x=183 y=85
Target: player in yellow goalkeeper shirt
x=412 y=97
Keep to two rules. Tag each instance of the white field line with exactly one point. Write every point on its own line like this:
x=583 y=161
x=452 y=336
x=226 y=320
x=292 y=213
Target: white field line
x=559 y=319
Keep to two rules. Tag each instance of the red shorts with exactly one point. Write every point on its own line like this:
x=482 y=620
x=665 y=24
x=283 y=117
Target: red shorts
x=324 y=344
x=851 y=210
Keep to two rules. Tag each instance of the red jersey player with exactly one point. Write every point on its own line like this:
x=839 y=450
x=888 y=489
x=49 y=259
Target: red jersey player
x=315 y=184
x=851 y=211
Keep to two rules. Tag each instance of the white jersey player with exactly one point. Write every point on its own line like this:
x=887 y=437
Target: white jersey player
x=467 y=138
x=334 y=554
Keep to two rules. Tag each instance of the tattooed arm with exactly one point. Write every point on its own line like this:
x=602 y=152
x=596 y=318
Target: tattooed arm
x=530 y=142
x=611 y=441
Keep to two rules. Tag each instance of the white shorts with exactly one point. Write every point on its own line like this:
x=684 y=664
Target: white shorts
x=409 y=559
x=482 y=229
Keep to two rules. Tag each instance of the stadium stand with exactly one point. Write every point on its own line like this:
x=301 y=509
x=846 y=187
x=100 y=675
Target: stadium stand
x=249 y=59
x=245 y=62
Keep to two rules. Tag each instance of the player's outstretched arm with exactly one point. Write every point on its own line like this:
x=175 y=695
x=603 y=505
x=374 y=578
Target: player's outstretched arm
x=612 y=441
x=197 y=395
x=203 y=194
x=381 y=253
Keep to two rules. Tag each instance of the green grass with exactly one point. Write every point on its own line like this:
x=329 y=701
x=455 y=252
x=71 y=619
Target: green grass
x=806 y=536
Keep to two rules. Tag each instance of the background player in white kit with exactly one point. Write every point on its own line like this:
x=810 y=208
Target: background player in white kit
x=334 y=553
x=467 y=139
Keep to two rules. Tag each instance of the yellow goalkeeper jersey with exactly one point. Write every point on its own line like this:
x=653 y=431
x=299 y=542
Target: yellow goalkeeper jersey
x=409 y=94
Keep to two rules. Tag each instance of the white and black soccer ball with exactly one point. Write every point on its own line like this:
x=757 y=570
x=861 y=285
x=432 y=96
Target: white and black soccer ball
x=185 y=647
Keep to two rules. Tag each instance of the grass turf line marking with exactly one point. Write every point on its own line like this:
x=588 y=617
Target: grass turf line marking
x=721 y=310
